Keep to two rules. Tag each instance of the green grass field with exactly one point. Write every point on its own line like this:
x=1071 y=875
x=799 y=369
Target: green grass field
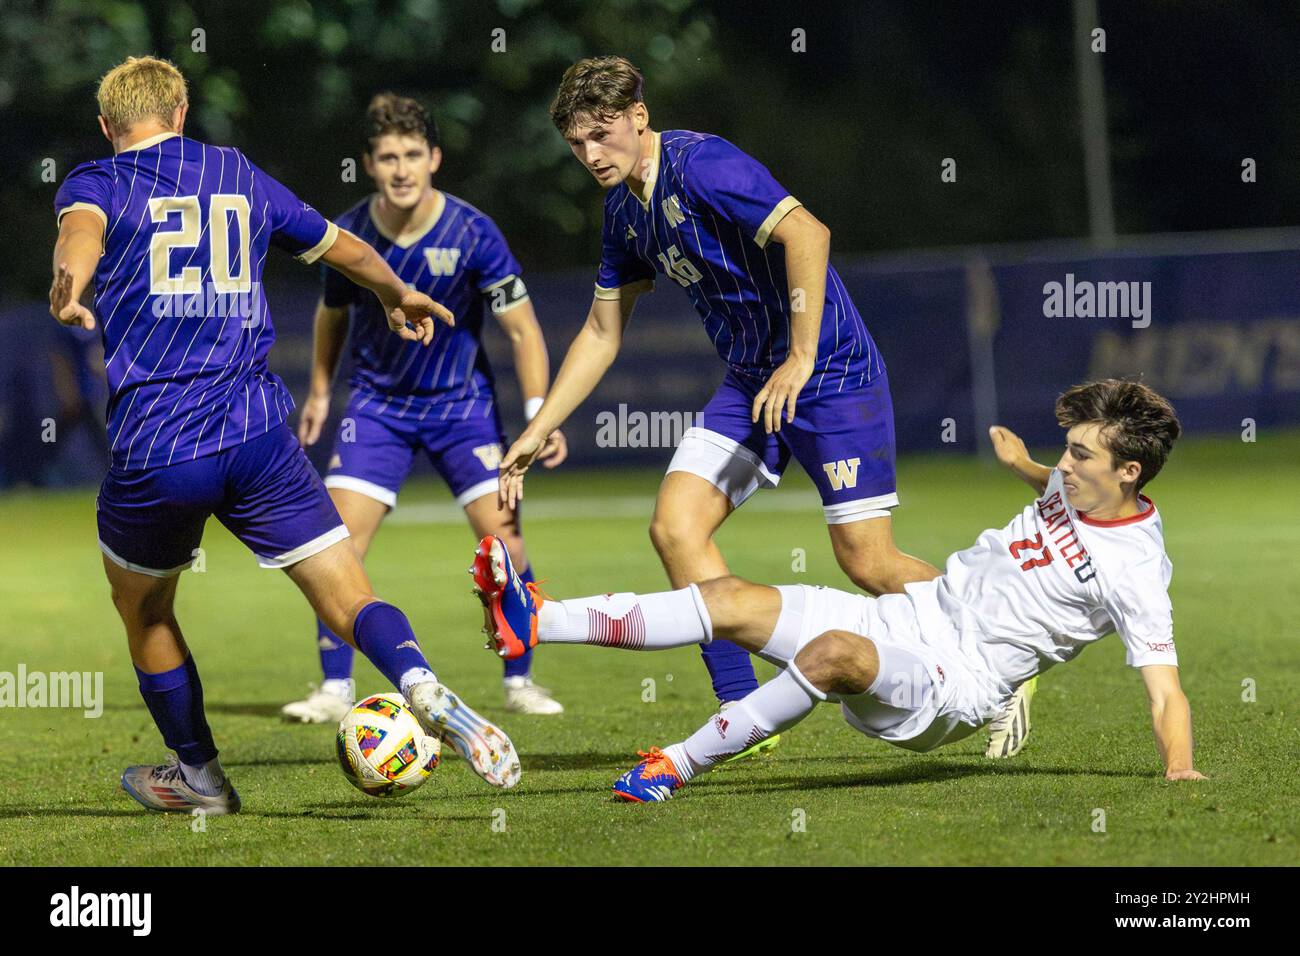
x=1230 y=519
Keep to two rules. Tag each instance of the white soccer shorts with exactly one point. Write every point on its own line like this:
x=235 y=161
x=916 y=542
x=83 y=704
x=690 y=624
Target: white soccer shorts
x=925 y=695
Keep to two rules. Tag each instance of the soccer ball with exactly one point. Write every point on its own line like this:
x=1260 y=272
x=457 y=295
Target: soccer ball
x=383 y=750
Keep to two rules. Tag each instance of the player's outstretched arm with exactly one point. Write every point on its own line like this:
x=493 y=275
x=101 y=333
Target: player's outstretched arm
x=592 y=353
x=533 y=368
x=1011 y=451
x=410 y=313
x=76 y=254
x=329 y=332
x=807 y=245
x=1171 y=718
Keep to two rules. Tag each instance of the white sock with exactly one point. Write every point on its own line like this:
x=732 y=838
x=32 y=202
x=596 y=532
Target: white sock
x=340 y=687
x=776 y=706
x=207 y=779
x=632 y=621
x=416 y=675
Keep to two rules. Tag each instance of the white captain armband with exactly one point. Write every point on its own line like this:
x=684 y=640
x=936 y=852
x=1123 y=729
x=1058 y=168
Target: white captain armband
x=505 y=295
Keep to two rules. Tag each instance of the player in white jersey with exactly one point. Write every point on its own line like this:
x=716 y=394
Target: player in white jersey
x=931 y=665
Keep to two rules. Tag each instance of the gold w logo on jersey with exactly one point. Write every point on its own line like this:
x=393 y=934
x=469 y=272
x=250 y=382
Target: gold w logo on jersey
x=842 y=474
x=442 y=262
x=630 y=234
x=673 y=211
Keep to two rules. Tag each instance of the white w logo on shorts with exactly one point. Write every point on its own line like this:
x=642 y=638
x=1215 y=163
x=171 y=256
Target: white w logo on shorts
x=842 y=474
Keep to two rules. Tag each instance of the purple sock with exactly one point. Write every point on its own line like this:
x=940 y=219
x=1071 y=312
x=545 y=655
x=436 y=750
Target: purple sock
x=384 y=635
x=730 y=668
x=175 y=699
x=335 y=653
x=521 y=666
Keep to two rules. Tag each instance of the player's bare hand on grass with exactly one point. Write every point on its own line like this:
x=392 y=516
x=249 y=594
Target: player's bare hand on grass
x=555 y=450
x=1184 y=775
x=62 y=305
x=510 y=481
x=411 y=317
x=781 y=392
x=315 y=413
x=1008 y=446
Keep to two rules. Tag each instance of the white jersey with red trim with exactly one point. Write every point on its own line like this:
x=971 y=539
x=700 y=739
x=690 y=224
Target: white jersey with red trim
x=1053 y=581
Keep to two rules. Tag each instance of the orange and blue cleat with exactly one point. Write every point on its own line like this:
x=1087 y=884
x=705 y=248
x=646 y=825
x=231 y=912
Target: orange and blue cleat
x=509 y=603
x=653 y=780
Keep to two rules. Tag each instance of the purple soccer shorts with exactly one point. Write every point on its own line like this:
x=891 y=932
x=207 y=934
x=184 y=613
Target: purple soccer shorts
x=844 y=440
x=376 y=444
x=264 y=491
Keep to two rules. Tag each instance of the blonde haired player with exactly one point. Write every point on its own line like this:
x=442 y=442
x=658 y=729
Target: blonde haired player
x=172 y=234
x=929 y=666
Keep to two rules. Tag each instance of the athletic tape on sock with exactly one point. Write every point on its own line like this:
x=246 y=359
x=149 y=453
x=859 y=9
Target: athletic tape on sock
x=703 y=610
x=805 y=683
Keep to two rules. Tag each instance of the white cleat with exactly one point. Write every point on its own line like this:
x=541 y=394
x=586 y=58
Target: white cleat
x=163 y=788
x=525 y=697
x=322 y=706
x=1010 y=729
x=485 y=747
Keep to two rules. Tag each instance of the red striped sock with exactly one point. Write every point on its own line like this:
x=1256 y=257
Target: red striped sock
x=776 y=706
x=631 y=621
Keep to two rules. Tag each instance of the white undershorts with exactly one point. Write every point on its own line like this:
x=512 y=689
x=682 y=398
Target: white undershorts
x=927 y=693
x=737 y=472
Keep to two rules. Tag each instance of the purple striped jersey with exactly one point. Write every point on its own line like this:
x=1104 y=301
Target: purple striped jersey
x=707 y=226
x=178 y=294
x=458 y=257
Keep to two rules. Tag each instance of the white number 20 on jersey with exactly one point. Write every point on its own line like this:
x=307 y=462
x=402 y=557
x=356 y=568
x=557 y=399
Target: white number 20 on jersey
x=220 y=206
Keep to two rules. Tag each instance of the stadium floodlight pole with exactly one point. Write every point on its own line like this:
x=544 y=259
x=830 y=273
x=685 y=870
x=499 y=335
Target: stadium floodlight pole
x=1096 y=142
x=983 y=316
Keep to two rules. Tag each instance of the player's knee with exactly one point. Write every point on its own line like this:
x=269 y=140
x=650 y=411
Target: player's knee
x=722 y=596
x=727 y=587
x=143 y=608
x=838 y=662
x=340 y=615
x=674 y=534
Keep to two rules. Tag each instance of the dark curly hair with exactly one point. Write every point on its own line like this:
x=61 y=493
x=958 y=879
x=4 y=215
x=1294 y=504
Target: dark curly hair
x=390 y=113
x=1138 y=424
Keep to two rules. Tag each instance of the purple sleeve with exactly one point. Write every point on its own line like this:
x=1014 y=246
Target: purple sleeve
x=89 y=186
x=491 y=261
x=619 y=263
x=295 y=226
x=737 y=187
